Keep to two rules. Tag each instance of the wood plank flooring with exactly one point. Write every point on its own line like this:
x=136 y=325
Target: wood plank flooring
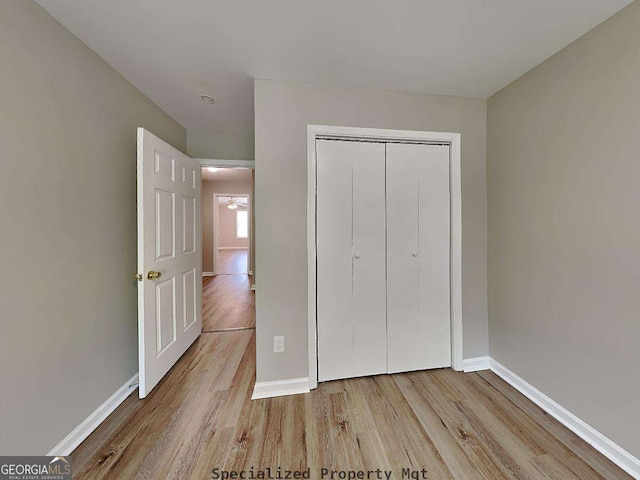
x=227 y=303
x=452 y=425
x=232 y=262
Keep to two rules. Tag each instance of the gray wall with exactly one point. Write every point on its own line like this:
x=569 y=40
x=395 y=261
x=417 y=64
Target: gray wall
x=564 y=238
x=220 y=145
x=283 y=111
x=208 y=189
x=68 y=214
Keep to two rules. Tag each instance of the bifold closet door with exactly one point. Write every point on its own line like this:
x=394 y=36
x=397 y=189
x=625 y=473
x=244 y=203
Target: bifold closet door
x=351 y=287
x=418 y=246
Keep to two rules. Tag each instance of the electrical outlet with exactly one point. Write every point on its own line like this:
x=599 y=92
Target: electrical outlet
x=278 y=344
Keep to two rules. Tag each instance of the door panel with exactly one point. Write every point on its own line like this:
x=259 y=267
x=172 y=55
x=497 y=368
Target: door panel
x=418 y=239
x=369 y=259
x=190 y=224
x=169 y=242
x=334 y=256
x=405 y=338
x=190 y=298
x=351 y=259
x=435 y=299
x=165 y=227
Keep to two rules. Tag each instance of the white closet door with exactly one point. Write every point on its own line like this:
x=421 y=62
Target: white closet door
x=351 y=259
x=418 y=237
x=334 y=222
x=369 y=259
x=405 y=337
x=435 y=254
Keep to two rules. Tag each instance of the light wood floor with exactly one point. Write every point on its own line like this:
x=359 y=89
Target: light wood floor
x=227 y=303
x=232 y=262
x=454 y=425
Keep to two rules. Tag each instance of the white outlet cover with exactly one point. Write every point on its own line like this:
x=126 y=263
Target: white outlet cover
x=278 y=344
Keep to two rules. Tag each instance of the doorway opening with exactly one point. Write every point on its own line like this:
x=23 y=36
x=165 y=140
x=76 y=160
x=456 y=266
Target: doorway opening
x=227 y=255
x=231 y=225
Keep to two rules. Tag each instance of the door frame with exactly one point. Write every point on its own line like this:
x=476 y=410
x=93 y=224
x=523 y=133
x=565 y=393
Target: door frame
x=250 y=164
x=315 y=132
x=216 y=219
x=214 y=162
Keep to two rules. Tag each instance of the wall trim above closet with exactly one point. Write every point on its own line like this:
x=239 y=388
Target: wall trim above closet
x=315 y=132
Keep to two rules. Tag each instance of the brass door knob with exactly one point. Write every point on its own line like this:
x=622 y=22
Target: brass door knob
x=137 y=276
x=153 y=275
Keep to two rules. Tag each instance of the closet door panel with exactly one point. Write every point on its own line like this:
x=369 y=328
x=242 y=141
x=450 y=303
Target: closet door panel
x=334 y=257
x=405 y=334
x=369 y=259
x=434 y=259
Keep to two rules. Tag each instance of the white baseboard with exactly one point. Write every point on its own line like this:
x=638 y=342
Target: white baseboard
x=609 y=449
x=253 y=287
x=233 y=248
x=93 y=421
x=208 y=274
x=475 y=364
x=279 y=388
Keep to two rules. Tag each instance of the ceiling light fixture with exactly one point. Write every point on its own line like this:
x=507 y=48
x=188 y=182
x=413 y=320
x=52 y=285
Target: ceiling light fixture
x=212 y=169
x=207 y=99
x=232 y=205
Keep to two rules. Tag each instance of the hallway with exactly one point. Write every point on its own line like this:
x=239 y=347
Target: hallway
x=227 y=303
x=232 y=262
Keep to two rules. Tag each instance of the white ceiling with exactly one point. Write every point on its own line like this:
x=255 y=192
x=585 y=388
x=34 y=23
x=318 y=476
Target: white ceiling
x=175 y=50
x=227 y=175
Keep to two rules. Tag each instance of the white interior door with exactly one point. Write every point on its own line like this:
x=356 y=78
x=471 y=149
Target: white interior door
x=351 y=259
x=418 y=257
x=169 y=257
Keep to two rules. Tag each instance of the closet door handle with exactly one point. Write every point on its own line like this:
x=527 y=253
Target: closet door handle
x=414 y=253
x=357 y=255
